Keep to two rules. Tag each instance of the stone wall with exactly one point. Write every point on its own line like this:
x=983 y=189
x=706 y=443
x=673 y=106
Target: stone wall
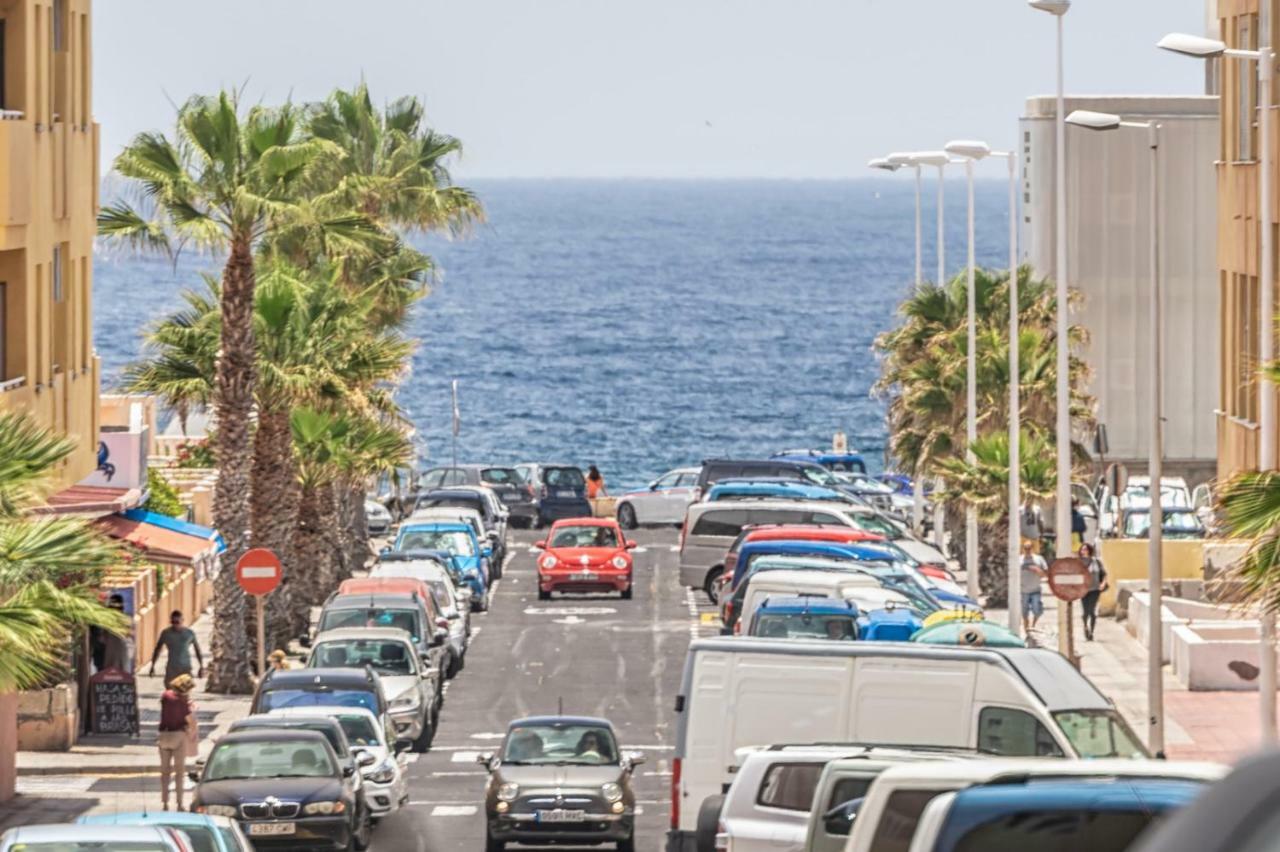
x=48 y=719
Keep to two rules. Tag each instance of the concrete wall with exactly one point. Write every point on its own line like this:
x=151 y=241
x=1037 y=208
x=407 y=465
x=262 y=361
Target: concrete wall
x=1126 y=559
x=1108 y=232
x=48 y=719
x=1216 y=656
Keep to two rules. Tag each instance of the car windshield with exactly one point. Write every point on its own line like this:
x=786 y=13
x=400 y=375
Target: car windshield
x=457 y=542
x=803 y=625
x=584 y=536
x=399 y=619
x=385 y=656
x=360 y=730
x=820 y=475
x=275 y=699
x=563 y=477
x=1139 y=523
x=864 y=484
x=867 y=522
x=267 y=759
x=202 y=836
x=560 y=743
x=500 y=476
x=1099 y=733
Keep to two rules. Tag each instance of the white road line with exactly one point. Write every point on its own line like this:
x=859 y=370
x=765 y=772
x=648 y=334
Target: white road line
x=48 y=784
x=639 y=550
x=477 y=774
x=412 y=757
x=453 y=810
x=491 y=736
x=464 y=756
x=675 y=548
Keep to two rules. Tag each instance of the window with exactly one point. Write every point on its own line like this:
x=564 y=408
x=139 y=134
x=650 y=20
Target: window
x=59 y=25
x=789 y=786
x=1014 y=733
x=1244 y=362
x=2 y=98
x=57 y=274
x=455 y=477
x=725 y=523
x=842 y=805
x=665 y=482
x=846 y=790
x=777 y=516
x=1099 y=733
x=1057 y=831
x=1246 y=94
x=898 y=822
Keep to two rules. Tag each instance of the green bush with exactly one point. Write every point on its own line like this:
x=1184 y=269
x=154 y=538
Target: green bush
x=163 y=499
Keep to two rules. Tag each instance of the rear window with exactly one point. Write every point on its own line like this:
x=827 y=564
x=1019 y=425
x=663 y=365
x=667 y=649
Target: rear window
x=359 y=730
x=501 y=476
x=274 y=699
x=725 y=523
x=898 y=822
x=399 y=619
x=778 y=516
x=563 y=477
x=789 y=786
x=1058 y=831
x=846 y=790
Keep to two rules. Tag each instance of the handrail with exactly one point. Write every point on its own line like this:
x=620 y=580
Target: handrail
x=11 y=115
x=13 y=384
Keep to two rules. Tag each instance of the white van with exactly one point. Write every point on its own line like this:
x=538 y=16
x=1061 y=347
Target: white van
x=744 y=691
x=898 y=806
x=863 y=590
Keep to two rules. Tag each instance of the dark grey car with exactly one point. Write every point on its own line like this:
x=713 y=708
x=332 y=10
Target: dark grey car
x=506 y=482
x=560 y=779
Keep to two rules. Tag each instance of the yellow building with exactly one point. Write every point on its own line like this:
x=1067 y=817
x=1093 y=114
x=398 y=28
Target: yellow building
x=48 y=211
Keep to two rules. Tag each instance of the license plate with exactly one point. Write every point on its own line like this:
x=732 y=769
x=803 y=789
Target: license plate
x=564 y=493
x=562 y=816
x=272 y=828
x=582 y=575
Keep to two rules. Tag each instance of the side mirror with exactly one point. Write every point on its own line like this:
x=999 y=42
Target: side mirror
x=635 y=758
x=194 y=776
x=348 y=771
x=486 y=552
x=493 y=534
x=364 y=758
x=442 y=622
x=484 y=758
x=438 y=638
x=540 y=545
x=631 y=544
x=653 y=486
x=384 y=551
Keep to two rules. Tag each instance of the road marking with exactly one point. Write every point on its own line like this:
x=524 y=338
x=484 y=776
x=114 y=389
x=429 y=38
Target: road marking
x=453 y=810
x=569 y=610
x=465 y=756
x=410 y=758
x=569 y=619
x=493 y=736
x=478 y=773
x=675 y=548
x=709 y=618
x=639 y=550
x=37 y=784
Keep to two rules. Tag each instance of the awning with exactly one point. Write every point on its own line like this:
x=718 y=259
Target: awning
x=177 y=525
x=161 y=544
x=90 y=500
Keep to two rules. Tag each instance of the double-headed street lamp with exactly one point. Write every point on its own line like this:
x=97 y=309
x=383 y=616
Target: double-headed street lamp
x=1155 y=577
x=1062 y=513
x=1208 y=48
x=972 y=151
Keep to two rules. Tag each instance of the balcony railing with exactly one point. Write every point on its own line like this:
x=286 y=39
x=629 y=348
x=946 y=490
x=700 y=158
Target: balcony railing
x=11 y=114
x=13 y=384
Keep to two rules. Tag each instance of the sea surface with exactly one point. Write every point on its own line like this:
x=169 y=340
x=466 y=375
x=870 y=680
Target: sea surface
x=640 y=325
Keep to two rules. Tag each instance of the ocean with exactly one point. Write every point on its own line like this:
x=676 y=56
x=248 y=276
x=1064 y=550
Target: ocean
x=640 y=325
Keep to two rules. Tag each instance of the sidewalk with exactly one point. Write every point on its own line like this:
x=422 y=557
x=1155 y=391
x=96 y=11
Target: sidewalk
x=100 y=754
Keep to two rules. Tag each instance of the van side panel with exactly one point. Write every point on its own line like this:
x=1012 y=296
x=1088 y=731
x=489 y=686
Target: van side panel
x=704 y=734
x=917 y=702
x=788 y=703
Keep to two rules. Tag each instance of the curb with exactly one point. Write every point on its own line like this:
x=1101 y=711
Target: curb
x=114 y=770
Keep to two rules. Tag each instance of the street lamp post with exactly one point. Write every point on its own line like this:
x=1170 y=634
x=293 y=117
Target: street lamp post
x=976 y=151
x=1062 y=513
x=1155 y=662
x=1208 y=48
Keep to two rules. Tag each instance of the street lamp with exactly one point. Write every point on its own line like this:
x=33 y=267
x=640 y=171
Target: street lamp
x=1208 y=48
x=1155 y=576
x=976 y=151
x=1062 y=513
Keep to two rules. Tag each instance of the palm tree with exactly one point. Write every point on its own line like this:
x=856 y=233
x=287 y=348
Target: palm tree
x=49 y=567
x=225 y=182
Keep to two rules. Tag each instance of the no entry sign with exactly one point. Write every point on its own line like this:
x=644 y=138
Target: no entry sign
x=1069 y=578
x=258 y=571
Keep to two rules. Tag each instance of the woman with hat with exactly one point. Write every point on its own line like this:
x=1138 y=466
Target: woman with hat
x=178 y=736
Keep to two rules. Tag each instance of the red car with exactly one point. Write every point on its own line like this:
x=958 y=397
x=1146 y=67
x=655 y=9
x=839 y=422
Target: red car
x=584 y=555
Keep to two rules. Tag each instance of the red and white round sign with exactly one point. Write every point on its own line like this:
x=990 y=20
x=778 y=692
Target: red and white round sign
x=1069 y=578
x=259 y=571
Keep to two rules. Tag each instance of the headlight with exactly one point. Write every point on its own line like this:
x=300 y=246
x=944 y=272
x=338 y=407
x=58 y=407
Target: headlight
x=383 y=773
x=611 y=792
x=216 y=810
x=507 y=792
x=548 y=561
x=408 y=701
x=619 y=562
x=324 y=808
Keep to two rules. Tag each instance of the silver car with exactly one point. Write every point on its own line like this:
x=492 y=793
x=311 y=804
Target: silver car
x=662 y=501
x=452 y=600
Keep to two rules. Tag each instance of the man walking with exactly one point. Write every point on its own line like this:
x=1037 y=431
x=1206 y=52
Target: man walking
x=1034 y=569
x=178 y=640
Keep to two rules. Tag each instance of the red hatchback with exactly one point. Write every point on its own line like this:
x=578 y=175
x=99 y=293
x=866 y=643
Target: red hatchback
x=584 y=555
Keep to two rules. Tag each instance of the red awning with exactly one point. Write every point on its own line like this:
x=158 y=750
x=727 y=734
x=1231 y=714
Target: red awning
x=161 y=544
x=90 y=500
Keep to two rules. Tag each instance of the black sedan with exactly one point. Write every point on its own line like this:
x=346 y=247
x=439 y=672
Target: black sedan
x=286 y=788
x=560 y=779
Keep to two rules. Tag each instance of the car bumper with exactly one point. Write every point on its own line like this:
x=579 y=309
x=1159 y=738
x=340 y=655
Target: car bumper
x=321 y=833
x=596 y=827
x=554 y=511
x=379 y=527
x=381 y=798
x=522 y=510
x=694 y=576
x=601 y=582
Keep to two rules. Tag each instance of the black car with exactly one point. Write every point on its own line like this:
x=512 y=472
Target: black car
x=560 y=779
x=506 y=482
x=287 y=789
x=560 y=489
x=323 y=688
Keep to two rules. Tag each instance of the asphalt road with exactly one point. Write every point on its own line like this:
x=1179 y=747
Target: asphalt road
x=594 y=655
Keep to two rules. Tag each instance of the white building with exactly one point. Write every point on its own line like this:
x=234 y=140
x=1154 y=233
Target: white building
x=1108 y=238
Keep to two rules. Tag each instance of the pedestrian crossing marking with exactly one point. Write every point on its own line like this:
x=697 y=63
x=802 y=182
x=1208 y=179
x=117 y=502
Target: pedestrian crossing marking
x=464 y=756
x=453 y=810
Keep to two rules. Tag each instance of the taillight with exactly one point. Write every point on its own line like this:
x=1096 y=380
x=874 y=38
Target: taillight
x=728 y=611
x=675 y=794
x=724 y=843
x=737 y=627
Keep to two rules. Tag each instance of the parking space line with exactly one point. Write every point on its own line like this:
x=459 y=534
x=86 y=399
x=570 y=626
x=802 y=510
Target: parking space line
x=452 y=810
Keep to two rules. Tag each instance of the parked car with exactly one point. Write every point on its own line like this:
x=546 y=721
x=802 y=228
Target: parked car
x=714 y=470
x=796 y=617
x=1176 y=523
x=409 y=611
x=75 y=838
x=560 y=779
x=850 y=462
x=560 y=489
x=453 y=600
x=287 y=790
x=516 y=495
x=385 y=778
x=473 y=519
x=470 y=558
x=204 y=833
x=777 y=489
x=413 y=690
x=438 y=651
x=739 y=692
x=891 y=814
x=662 y=501
x=482 y=501
x=306 y=721
x=585 y=555
x=377 y=518
x=788 y=532
x=323 y=687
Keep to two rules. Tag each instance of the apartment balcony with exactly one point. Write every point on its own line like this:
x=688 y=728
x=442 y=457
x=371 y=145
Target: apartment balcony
x=16 y=163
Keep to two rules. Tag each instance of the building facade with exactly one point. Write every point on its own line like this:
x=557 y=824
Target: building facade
x=48 y=213
x=1108 y=261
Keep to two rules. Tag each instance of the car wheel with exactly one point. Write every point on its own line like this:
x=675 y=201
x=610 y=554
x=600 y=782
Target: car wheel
x=710 y=587
x=627 y=516
x=704 y=835
x=455 y=663
x=491 y=845
x=364 y=835
x=628 y=845
x=423 y=742
x=626 y=593
x=543 y=596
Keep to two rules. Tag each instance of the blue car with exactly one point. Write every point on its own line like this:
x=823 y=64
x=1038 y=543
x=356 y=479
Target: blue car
x=468 y=556
x=851 y=462
x=785 y=489
x=207 y=833
x=805 y=617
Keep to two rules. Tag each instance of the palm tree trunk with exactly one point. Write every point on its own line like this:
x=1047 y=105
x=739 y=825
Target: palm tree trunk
x=308 y=555
x=236 y=377
x=275 y=508
x=359 y=526
x=993 y=561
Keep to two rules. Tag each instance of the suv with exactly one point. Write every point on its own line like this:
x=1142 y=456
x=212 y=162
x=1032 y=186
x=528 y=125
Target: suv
x=417 y=615
x=505 y=482
x=560 y=489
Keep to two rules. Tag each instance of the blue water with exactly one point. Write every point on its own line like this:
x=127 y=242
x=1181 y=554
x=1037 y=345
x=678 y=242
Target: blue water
x=641 y=325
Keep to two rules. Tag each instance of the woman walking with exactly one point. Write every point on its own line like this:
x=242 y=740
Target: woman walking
x=595 y=483
x=178 y=736
x=1097 y=585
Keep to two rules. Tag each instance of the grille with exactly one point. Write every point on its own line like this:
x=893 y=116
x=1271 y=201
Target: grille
x=571 y=803
x=257 y=810
x=285 y=809
x=266 y=810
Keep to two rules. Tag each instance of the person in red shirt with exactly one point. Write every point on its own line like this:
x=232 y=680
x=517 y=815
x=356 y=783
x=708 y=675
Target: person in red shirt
x=178 y=736
x=595 y=484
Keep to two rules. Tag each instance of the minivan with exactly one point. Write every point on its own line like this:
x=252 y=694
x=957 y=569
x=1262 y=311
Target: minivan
x=741 y=691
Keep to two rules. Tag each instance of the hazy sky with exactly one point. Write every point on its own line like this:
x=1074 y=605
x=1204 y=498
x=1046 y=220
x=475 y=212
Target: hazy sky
x=672 y=88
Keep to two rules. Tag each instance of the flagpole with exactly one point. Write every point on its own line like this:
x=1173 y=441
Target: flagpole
x=457 y=421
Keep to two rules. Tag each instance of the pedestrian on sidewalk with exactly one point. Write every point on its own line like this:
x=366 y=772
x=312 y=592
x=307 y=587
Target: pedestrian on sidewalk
x=1097 y=585
x=595 y=483
x=178 y=640
x=178 y=737
x=278 y=661
x=1034 y=569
